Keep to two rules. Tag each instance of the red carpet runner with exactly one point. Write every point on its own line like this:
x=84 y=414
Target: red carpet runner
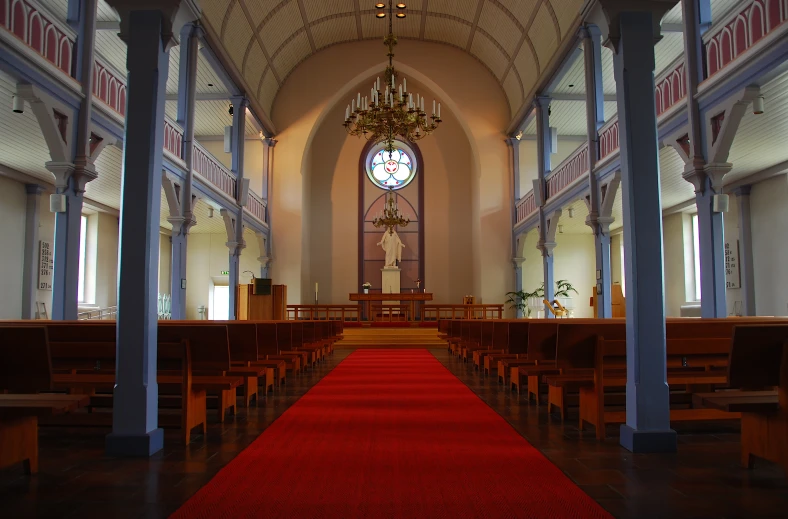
x=390 y=434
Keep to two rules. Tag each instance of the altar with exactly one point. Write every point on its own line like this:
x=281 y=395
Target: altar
x=410 y=297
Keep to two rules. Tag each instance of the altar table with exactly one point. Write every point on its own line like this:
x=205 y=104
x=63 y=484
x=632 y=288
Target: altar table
x=411 y=297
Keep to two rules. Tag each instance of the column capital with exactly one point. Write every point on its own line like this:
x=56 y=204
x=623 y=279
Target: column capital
x=600 y=224
x=33 y=189
x=239 y=101
x=82 y=172
x=743 y=191
x=175 y=14
x=518 y=263
x=611 y=11
x=270 y=142
x=542 y=101
x=265 y=261
x=236 y=246
x=546 y=247
x=512 y=141
x=588 y=31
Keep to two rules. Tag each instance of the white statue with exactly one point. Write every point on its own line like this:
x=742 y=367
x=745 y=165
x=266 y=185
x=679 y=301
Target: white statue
x=393 y=247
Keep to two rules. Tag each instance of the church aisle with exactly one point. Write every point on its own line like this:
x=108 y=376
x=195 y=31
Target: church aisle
x=390 y=433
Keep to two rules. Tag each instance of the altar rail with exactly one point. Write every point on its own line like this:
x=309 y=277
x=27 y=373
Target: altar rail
x=323 y=312
x=436 y=312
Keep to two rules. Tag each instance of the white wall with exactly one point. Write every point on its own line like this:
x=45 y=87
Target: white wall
x=769 y=212
x=207 y=257
x=13 y=202
x=675 y=272
x=575 y=261
x=253 y=160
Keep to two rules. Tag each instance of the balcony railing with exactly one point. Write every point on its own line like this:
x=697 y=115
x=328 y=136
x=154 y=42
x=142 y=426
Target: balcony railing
x=525 y=207
x=608 y=138
x=209 y=168
x=257 y=207
x=572 y=168
x=741 y=29
x=45 y=35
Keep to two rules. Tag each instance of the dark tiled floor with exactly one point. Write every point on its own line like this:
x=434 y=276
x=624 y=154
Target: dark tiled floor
x=702 y=481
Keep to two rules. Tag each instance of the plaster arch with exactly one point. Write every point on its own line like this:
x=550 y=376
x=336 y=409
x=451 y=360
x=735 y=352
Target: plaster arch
x=467 y=90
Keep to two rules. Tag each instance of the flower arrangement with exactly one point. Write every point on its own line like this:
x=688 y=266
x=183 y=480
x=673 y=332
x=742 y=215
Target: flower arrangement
x=367 y=285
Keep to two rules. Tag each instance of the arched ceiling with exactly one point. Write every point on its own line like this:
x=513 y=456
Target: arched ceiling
x=515 y=39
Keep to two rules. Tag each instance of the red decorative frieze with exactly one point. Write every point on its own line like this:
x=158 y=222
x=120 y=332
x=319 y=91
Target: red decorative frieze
x=575 y=166
x=525 y=207
x=109 y=88
x=608 y=139
x=742 y=29
x=47 y=38
x=208 y=167
x=671 y=88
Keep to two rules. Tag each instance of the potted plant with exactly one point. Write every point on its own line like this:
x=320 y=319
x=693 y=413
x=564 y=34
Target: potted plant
x=366 y=286
x=526 y=302
x=563 y=289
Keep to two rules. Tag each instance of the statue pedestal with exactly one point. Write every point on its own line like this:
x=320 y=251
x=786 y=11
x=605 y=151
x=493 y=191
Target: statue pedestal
x=391 y=284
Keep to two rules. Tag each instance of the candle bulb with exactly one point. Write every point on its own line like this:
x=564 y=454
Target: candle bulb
x=347 y=112
x=392 y=81
x=439 y=110
x=433 y=107
x=405 y=84
x=400 y=92
x=353 y=105
x=378 y=87
x=358 y=102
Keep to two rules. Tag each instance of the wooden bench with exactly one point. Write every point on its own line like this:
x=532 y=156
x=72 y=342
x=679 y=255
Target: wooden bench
x=25 y=367
x=287 y=345
x=591 y=359
x=192 y=361
x=244 y=358
x=758 y=372
x=510 y=338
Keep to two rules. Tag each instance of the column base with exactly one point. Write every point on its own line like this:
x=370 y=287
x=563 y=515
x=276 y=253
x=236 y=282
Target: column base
x=135 y=446
x=648 y=441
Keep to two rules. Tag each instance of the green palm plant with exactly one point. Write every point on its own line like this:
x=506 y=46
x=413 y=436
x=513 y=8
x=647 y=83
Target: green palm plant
x=563 y=287
x=519 y=299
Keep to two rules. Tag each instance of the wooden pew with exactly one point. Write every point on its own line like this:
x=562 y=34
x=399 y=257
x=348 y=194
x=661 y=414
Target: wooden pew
x=502 y=347
x=244 y=358
x=268 y=346
x=25 y=367
x=758 y=370
x=192 y=360
x=592 y=358
x=286 y=343
x=472 y=341
x=485 y=343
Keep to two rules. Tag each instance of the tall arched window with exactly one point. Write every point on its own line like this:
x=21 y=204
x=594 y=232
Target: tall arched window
x=403 y=172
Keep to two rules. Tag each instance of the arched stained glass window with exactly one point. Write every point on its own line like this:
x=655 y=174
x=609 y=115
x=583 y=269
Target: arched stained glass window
x=393 y=170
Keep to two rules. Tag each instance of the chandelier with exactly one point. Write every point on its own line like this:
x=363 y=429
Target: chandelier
x=392 y=111
x=390 y=217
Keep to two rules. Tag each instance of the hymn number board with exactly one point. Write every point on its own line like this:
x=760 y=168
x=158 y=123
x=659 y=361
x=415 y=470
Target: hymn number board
x=732 y=273
x=46 y=264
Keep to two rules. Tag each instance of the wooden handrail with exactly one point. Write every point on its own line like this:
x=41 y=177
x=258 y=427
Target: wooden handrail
x=436 y=312
x=323 y=312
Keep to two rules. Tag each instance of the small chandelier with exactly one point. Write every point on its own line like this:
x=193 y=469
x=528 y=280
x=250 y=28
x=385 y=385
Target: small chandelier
x=390 y=217
x=393 y=111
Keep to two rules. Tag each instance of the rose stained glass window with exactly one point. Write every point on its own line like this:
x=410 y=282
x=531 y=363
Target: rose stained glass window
x=391 y=171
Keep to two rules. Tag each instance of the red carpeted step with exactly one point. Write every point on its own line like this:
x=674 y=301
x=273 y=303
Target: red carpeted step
x=390 y=433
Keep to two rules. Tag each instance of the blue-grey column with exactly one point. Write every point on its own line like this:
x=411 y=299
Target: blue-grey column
x=238 y=136
x=697 y=18
x=543 y=148
x=518 y=281
x=135 y=430
x=595 y=119
x=71 y=180
x=647 y=428
x=31 y=264
x=187 y=87
x=745 y=251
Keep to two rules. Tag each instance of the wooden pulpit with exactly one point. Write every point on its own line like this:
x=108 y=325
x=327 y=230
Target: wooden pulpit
x=256 y=307
x=618 y=302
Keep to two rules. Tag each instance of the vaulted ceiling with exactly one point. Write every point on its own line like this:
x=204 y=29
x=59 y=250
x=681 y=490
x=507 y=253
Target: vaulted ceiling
x=515 y=39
